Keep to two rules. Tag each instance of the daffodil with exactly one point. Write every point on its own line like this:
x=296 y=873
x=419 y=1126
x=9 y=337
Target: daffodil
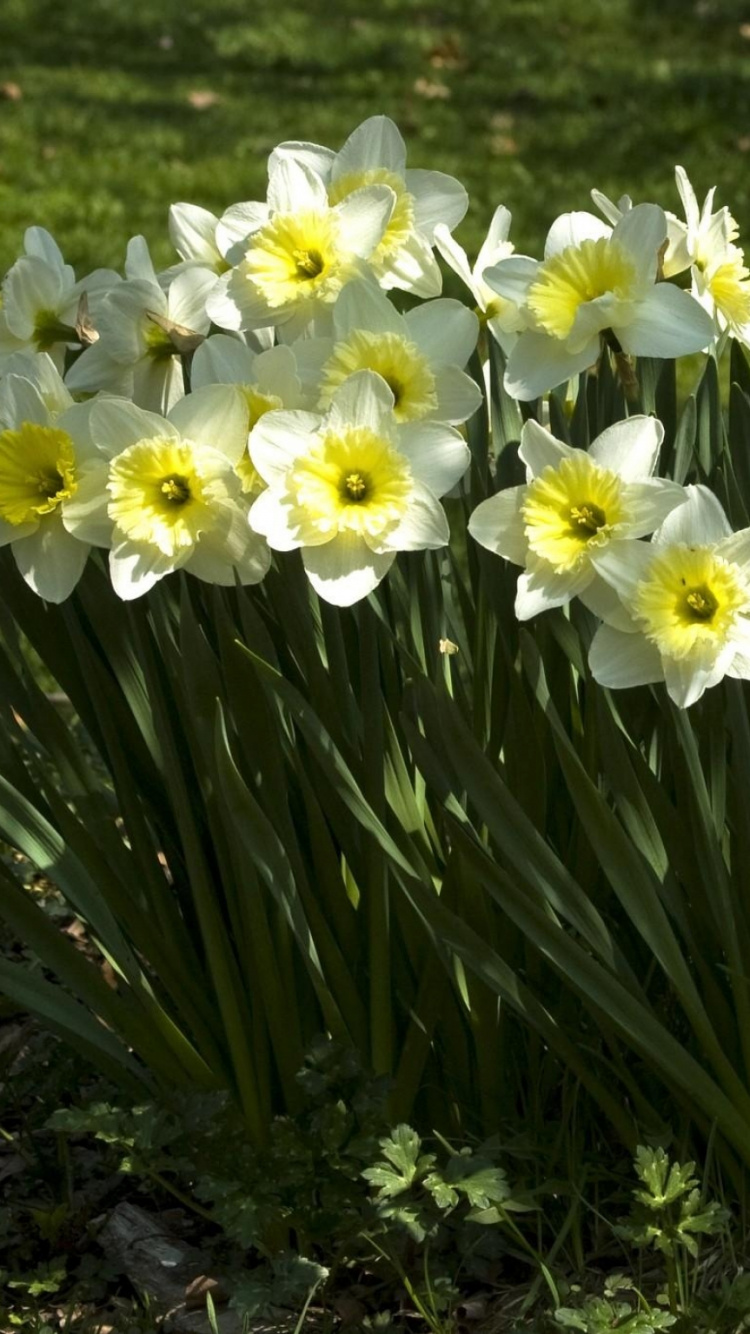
x=45 y=448
x=576 y=506
x=143 y=331
x=375 y=154
x=269 y=380
x=595 y=280
x=298 y=253
x=352 y=488
x=41 y=300
x=503 y=317
x=704 y=237
x=169 y=496
x=687 y=595
x=420 y=355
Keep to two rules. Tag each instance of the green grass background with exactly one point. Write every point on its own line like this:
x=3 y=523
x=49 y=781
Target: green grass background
x=529 y=102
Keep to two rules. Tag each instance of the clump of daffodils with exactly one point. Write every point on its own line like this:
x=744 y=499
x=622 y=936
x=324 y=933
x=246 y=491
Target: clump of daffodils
x=296 y=382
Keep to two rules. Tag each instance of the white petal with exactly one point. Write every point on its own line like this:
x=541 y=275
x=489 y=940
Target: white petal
x=363 y=217
x=437 y=199
x=630 y=448
x=375 y=143
x=437 y=454
x=512 y=277
x=623 y=564
x=601 y=598
x=116 y=424
x=276 y=373
x=222 y=360
x=540 y=449
x=23 y=402
x=215 y=415
x=364 y=399
x=97 y=369
x=458 y=395
x=497 y=524
x=619 y=660
x=85 y=514
x=424 y=526
x=362 y=305
x=134 y=570
x=187 y=298
x=687 y=195
x=538 y=363
x=41 y=370
x=651 y=502
x=540 y=589
x=497 y=236
x=413 y=268
x=736 y=548
x=668 y=323
x=225 y=302
x=444 y=330
x=642 y=231
x=318 y=159
x=236 y=225
x=279 y=438
x=570 y=229
x=51 y=560
x=345 y=570
x=292 y=186
x=193 y=232
x=700 y=521
x=612 y=212
x=238 y=551
x=157 y=385
x=454 y=255
x=138 y=262
x=38 y=241
x=278 y=520
x=686 y=681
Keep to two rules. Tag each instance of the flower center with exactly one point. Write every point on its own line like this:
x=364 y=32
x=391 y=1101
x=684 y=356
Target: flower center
x=158 y=494
x=404 y=368
x=355 y=488
x=579 y=274
x=296 y=256
x=176 y=490
x=569 y=509
x=689 y=601
x=37 y=471
x=352 y=480
x=310 y=263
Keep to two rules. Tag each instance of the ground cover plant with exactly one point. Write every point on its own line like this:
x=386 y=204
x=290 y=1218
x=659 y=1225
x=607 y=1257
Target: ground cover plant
x=373 y=666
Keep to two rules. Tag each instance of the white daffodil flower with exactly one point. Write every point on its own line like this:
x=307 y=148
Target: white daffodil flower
x=375 y=154
x=595 y=280
x=353 y=488
x=169 y=496
x=269 y=381
x=504 y=319
x=142 y=332
x=45 y=448
x=295 y=254
x=41 y=300
x=420 y=355
x=704 y=238
x=687 y=592
x=576 y=506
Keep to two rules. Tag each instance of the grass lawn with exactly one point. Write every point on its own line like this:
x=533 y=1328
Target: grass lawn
x=110 y=112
